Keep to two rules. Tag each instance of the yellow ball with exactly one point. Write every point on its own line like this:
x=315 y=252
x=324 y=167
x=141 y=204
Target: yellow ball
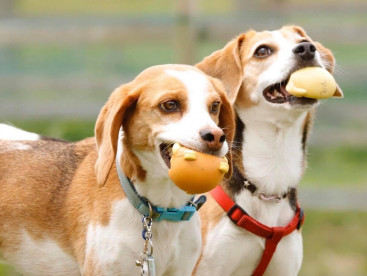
x=311 y=82
x=196 y=172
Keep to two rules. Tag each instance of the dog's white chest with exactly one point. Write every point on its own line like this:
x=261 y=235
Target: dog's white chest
x=42 y=257
x=238 y=252
x=115 y=247
x=272 y=156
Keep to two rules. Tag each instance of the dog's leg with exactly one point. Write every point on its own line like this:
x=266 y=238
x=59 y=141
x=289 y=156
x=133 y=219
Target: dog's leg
x=189 y=250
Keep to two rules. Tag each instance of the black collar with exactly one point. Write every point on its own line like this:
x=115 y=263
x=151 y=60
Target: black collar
x=238 y=182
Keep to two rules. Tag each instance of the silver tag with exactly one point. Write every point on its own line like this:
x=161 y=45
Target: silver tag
x=148 y=268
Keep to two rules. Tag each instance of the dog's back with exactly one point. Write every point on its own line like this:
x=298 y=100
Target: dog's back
x=35 y=177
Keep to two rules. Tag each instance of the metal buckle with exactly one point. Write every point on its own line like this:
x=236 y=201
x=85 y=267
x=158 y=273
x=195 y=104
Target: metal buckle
x=199 y=202
x=246 y=183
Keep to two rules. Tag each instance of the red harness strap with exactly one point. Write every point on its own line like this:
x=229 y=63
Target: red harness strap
x=273 y=235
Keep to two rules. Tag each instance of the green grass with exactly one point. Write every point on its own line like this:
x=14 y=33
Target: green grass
x=335 y=244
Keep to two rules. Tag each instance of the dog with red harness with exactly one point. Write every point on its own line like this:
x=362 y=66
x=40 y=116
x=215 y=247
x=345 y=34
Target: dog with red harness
x=251 y=223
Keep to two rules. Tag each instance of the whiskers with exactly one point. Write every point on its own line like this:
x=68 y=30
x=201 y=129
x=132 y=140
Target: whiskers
x=337 y=69
x=168 y=145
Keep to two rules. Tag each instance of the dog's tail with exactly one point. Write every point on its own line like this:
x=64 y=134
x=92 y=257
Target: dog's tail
x=8 y=132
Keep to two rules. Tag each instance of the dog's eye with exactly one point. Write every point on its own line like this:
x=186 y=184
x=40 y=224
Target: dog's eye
x=215 y=107
x=263 y=51
x=170 y=106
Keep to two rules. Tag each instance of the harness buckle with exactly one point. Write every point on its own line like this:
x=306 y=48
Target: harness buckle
x=174 y=214
x=234 y=208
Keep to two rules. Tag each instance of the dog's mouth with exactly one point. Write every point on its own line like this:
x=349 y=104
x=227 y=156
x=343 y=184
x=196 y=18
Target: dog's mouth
x=276 y=93
x=166 y=153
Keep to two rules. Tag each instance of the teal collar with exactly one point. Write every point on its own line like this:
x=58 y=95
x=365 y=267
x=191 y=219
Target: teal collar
x=155 y=212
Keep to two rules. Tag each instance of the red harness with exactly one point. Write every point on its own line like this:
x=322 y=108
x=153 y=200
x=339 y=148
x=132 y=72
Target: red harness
x=273 y=235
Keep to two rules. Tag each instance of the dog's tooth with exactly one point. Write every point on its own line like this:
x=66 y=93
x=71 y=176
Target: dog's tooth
x=276 y=93
x=270 y=95
x=279 y=94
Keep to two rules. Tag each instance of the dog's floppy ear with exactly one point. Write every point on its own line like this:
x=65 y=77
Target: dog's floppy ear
x=107 y=129
x=226 y=121
x=328 y=61
x=226 y=65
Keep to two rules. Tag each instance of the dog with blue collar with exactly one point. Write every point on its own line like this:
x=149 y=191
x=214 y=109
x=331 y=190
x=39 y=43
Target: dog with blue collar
x=64 y=210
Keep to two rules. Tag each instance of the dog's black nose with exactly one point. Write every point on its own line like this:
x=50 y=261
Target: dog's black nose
x=214 y=137
x=305 y=50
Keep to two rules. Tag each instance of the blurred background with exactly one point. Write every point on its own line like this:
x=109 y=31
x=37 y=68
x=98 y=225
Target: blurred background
x=60 y=60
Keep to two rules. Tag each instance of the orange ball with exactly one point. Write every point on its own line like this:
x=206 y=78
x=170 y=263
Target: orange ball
x=196 y=172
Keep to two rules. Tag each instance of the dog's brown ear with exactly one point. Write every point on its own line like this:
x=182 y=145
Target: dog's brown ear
x=107 y=129
x=328 y=61
x=226 y=121
x=300 y=31
x=226 y=65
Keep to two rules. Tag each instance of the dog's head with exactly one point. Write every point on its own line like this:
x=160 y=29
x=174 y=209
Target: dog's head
x=163 y=105
x=255 y=67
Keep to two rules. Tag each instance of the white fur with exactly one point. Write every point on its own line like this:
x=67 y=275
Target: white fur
x=12 y=133
x=273 y=161
x=47 y=257
x=114 y=251
x=272 y=154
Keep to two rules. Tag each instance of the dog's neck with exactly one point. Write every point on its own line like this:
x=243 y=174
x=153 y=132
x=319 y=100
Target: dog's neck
x=157 y=187
x=272 y=150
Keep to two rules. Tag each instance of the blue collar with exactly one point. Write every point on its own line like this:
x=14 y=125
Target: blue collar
x=157 y=213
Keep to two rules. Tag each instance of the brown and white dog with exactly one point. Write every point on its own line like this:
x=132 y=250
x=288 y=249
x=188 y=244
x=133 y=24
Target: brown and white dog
x=272 y=128
x=62 y=209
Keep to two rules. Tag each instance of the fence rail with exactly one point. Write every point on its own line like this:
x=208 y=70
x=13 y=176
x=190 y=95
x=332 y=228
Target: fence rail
x=333 y=199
